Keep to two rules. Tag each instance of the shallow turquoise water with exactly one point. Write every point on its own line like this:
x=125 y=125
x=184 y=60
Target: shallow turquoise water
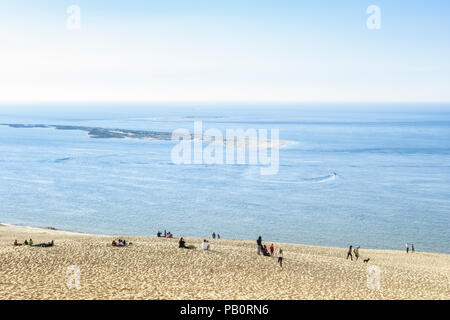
x=392 y=184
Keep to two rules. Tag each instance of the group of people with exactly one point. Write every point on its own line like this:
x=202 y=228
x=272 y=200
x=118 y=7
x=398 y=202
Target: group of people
x=355 y=251
x=205 y=244
x=407 y=247
x=182 y=244
x=214 y=235
x=31 y=243
x=263 y=249
x=120 y=243
x=159 y=234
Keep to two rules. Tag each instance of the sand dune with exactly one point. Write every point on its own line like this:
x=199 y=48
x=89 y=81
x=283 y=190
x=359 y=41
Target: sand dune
x=155 y=268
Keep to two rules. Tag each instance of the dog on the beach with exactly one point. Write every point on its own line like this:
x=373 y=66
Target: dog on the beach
x=366 y=260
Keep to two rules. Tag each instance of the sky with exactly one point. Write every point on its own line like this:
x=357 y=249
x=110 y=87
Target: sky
x=227 y=50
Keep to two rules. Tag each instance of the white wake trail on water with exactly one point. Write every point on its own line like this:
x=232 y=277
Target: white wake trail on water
x=254 y=176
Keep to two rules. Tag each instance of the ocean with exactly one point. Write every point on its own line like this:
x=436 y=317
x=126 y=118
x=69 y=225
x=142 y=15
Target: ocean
x=374 y=175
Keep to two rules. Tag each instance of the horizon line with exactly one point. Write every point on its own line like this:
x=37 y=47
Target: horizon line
x=220 y=101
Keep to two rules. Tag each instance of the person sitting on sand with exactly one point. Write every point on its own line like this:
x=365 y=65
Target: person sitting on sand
x=158 y=234
x=205 y=245
x=280 y=258
x=25 y=242
x=271 y=249
x=169 y=235
x=120 y=243
x=182 y=243
x=16 y=243
x=349 y=253
x=266 y=252
x=30 y=242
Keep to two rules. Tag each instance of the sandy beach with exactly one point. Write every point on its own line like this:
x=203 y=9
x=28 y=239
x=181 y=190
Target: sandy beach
x=155 y=268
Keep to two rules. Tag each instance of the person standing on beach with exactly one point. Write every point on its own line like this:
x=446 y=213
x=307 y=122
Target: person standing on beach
x=280 y=258
x=218 y=236
x=412 y=247
x=356 y=251
x=259 y=243
x=271 y=249
x=214 y=235
x=407 y=247
x=349 y=253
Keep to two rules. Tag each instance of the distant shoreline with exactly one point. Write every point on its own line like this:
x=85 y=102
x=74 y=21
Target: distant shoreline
x=116 y=133
x=62 y=231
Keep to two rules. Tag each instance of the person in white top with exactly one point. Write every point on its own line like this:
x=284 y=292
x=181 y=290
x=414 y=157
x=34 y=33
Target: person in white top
x=280 y=258
x=205 y=245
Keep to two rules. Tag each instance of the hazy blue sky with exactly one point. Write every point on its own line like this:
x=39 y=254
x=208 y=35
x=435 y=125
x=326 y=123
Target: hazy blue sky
x=198 y=50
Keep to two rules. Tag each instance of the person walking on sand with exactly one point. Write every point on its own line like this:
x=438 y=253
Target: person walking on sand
x=259 y=243
x=280 y=258
x=356 y=251
x=349 y=253
x=271 y=249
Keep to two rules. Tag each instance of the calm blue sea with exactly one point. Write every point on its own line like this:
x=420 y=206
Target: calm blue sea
x=392 y=184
